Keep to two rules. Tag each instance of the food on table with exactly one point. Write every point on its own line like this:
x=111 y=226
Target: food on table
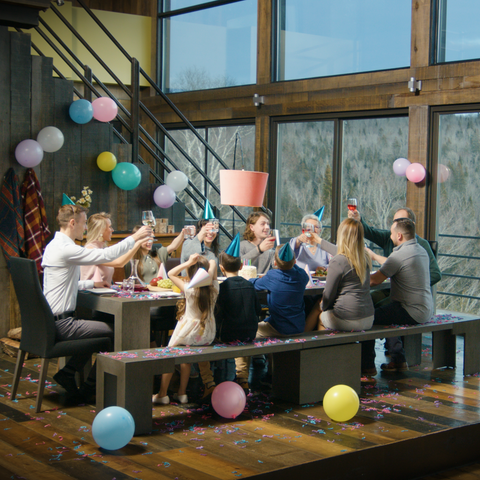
x=248 y=271
x=321 y=272
x=160 y=282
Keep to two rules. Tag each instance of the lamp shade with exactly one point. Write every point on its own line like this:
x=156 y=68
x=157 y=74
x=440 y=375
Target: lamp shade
x=242 y=188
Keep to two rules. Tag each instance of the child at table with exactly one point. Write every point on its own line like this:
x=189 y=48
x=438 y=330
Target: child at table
x=196 y=321
x=236 y=312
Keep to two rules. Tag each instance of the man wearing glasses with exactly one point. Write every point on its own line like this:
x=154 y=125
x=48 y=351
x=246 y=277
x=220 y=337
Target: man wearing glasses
x=61 y=262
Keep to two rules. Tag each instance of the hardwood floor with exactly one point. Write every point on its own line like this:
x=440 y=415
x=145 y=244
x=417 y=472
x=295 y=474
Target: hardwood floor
x=191 y=442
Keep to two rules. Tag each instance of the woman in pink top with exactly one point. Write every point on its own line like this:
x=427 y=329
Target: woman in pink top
x=99 y=233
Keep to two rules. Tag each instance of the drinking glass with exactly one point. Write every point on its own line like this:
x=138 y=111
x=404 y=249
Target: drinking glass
x=128 y=285
x=308 y=229
x=275 y=233
x=148 y=219
x=352 y=204
x=215 y=223
x=189 y=232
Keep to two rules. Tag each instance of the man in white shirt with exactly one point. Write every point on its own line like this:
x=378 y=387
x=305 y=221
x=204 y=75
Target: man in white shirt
x=61 y=262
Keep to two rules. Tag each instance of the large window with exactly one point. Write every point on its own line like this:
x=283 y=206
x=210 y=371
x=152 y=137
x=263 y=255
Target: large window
x=310 y=152
x=208 y=48
x=458 y=220
x=236 y=147
x=458 y=36
x=317 y=38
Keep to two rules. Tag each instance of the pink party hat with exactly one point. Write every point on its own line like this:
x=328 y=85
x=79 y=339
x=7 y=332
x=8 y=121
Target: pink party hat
x=200 y=279
x=162 y=273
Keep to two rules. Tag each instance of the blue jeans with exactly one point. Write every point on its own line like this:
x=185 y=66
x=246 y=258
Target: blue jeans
x=391 y=314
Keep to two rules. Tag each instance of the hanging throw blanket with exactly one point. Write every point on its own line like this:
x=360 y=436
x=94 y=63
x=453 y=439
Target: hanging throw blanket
x=35 y=216
x=11 y=217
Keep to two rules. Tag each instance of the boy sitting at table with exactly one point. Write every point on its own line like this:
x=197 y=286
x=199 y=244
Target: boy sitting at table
x=285 y=286
x=236 y=311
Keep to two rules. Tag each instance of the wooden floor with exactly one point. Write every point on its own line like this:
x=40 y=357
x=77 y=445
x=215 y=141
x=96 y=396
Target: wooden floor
x=194 y=443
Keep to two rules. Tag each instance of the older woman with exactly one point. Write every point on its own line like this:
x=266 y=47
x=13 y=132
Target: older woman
x=99 y=233
x=309 y=248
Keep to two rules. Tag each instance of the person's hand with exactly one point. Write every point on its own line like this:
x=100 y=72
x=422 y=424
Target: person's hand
x=267 y=244
x=370 y=253
x=102 y=284
x=316 y=238
x=302 y=238
x=355 y=214
x=203 y=231
x=193 y=259
x=143 y=233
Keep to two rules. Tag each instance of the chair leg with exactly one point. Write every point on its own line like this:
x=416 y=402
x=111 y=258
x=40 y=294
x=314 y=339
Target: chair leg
x=18 y=371
x=41 y=384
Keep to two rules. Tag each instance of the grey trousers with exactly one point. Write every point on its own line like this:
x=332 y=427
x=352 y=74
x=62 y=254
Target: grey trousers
x=74 y=329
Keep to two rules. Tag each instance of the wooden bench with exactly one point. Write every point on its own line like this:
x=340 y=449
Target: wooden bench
x=305 y=365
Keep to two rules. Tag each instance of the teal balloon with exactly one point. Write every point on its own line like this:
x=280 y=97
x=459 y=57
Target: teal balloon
x=113 y=428
x=126 y=176
x=81 y=111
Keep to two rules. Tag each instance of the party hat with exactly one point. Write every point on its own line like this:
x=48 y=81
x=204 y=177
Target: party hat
x=319 y=213
x=66 y=200
x=286 y=253
x=310 y=280
x=208 y=212
x=234 y=247
x=162 y=273
x=200 y=279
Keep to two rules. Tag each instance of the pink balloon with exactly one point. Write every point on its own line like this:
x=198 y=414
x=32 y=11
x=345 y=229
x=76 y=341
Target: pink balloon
x=104 y=109
x=29 y=153
x=228 y=399
x=415 y=172
x=443 y=173
x=400 y=166
x=164 y=196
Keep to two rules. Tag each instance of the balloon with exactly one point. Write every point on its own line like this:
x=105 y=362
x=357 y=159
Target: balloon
x=341 y=403
x=81 y=111
x=104 y=109
x=400 y=166
x=113 y=428
x=177 y=180
x=29 y=153
x=228 y=399
x=415 y=172
x=126 y=176
x=443 y=173
x=164 y=196
x=50 y=138
x=106 y=161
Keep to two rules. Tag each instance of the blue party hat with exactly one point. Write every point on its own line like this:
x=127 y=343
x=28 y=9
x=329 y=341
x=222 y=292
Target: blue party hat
x=208 y=212
x=286 y=253
x=66 y=200
x=319 y=213
x=234 y=247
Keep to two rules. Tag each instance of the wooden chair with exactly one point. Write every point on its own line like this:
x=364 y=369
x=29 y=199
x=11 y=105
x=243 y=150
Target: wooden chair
x=38 y=327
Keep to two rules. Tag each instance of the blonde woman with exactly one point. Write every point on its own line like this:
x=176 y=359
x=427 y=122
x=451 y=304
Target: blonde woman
x=346 y=303
x=99 y=233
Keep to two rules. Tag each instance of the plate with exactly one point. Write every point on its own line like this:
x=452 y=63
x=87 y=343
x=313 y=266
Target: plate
x=158 y=289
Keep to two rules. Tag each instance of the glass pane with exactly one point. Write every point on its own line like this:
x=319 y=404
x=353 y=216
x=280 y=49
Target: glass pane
x=187 y=141
x=170 y=5
x=458 y=221
x=211 y=48
x=370 y=146
x=458 y=34
x=304 y=175
x=320 y=38
x=222 y=140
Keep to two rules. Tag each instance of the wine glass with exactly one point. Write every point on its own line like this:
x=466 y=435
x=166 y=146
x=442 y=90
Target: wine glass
x=352 y=204
x=216 y=225
x=148 y=219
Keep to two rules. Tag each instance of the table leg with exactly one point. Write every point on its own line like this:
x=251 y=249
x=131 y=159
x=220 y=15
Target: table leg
x=132 y=326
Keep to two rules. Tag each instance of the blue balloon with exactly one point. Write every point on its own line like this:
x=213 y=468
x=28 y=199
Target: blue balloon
x=113 y=428
x=126 y=176
x=81 y=111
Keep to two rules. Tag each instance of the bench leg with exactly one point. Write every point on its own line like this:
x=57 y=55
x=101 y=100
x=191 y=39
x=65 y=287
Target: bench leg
x=444 y=346
x=412 y=344
x=304 y=376
x=471 y=350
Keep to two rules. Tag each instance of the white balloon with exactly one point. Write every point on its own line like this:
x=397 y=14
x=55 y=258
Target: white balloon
x=50 y=138
x=177 y=180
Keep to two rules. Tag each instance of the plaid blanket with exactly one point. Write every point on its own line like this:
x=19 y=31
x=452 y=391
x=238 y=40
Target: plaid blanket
x=35 y=216
x=11 y=217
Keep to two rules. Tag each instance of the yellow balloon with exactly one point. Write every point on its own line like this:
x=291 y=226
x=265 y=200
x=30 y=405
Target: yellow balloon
x=106 y=161
x=341 y=403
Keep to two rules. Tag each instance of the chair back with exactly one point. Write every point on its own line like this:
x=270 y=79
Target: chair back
x=38 y=323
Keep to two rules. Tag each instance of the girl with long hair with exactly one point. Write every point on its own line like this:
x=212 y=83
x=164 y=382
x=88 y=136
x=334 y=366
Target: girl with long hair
x=196 y=322
x=346 y=303
x=206 y=242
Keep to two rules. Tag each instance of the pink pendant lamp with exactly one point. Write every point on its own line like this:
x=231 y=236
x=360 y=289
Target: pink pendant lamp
x=242 y=188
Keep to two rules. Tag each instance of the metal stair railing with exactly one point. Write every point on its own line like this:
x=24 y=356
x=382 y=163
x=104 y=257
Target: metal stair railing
x=130 y=120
